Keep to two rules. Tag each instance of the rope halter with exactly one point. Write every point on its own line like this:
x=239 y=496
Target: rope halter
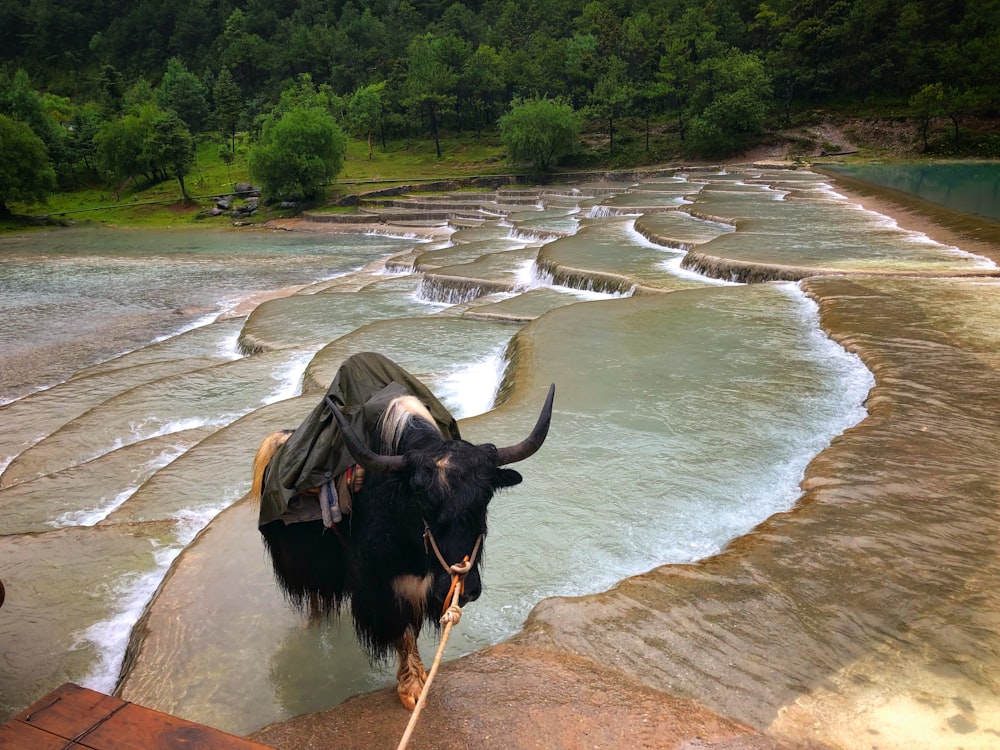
x=458 y=572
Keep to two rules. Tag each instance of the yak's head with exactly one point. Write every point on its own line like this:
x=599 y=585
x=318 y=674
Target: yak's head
x=451 y=483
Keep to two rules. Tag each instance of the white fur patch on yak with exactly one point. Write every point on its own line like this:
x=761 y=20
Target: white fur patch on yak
x=413 y=589
x=398 y=415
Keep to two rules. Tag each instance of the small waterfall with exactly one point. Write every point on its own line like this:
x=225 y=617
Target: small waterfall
x=472 y=390
x=585 y=281
x=535 y=235
x=396 y=267
x=531 y=276
x=601 y=212
x=451 y=290
x=640 y=229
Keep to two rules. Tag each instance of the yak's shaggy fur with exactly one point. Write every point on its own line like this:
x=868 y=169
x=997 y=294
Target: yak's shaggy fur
x=378 y=558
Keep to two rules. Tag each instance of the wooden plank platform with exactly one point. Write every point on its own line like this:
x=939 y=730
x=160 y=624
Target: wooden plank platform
x=72 y=717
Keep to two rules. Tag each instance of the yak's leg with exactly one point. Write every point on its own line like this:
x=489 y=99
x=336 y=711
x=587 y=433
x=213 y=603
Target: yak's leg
x=411 y=673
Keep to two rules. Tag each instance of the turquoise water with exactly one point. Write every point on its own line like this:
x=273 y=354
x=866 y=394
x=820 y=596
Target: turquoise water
x=969 y=187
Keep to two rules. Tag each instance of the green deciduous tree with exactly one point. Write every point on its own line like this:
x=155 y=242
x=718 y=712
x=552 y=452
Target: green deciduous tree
x=147 y=141
x=173 y=147
x=120 y=144
x=26 y=173
x=364 y=111
x=730 y=102
x=539 y=131
x=19 y=101
x=927 y=104
x=298 y=153
x=140 y=94
x=303 y=93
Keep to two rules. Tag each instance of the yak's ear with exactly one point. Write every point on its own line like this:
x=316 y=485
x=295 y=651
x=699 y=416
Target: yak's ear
x=507 y=478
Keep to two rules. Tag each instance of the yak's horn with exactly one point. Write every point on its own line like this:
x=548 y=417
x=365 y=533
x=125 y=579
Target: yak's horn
x=527 y=447
x=358 y=450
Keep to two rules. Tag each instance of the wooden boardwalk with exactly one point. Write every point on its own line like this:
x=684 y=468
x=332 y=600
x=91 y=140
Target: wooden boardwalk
x=75 y=718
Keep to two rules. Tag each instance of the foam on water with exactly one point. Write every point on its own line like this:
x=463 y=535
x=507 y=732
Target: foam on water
x=528 y=275
x=418 y=296
x=155 y=427
x=673 y=264
x=588 y=295
x=132 y=592
x=110 y=637
x=289 y=376
x=911 y=236
x=855 y=379
x=201 y=322
x=397 y=235
x=229 y=346
x=91 y=517
x=142 y=431
x=472 y=389
x=605 y=212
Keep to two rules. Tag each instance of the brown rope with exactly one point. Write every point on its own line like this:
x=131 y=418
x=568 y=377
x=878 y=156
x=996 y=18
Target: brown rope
x=449 y=619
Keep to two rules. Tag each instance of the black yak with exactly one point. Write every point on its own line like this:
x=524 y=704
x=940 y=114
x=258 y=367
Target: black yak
x=385 y=543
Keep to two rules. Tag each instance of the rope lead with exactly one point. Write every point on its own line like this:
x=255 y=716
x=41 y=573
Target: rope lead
x=449 y=619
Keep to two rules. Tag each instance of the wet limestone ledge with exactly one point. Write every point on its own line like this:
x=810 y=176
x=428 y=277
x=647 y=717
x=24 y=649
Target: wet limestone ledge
x=456 y=290
x=750 y=272
x=641 y=226
x=588 y=280
x=747 y=272
x=868 y=615
x=506 y=698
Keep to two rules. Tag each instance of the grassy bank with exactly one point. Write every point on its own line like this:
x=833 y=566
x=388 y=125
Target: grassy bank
x=411 y=160
x=161 y=205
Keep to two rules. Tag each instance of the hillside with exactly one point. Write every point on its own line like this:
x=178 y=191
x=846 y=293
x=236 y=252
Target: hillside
x=115 y=98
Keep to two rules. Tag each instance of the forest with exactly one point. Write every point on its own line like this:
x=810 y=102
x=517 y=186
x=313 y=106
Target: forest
x=113 y=90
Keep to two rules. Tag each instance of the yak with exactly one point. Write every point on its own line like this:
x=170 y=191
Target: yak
x=376 y=501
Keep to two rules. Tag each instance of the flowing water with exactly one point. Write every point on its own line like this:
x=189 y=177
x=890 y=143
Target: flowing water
x=141 y=370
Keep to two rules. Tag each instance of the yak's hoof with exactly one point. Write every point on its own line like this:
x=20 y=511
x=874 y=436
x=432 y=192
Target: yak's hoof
x=409 y=693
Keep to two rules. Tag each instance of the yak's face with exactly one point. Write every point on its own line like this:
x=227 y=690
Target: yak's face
x=454 y=485
x=450 y=483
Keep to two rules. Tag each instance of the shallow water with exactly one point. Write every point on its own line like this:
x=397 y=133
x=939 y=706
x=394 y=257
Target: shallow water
x=74 y=297
x=683 y=418
x=969 y=187
x=868 y=614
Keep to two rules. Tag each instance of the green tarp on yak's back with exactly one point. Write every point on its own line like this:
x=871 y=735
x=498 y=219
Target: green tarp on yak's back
x=315 y=453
